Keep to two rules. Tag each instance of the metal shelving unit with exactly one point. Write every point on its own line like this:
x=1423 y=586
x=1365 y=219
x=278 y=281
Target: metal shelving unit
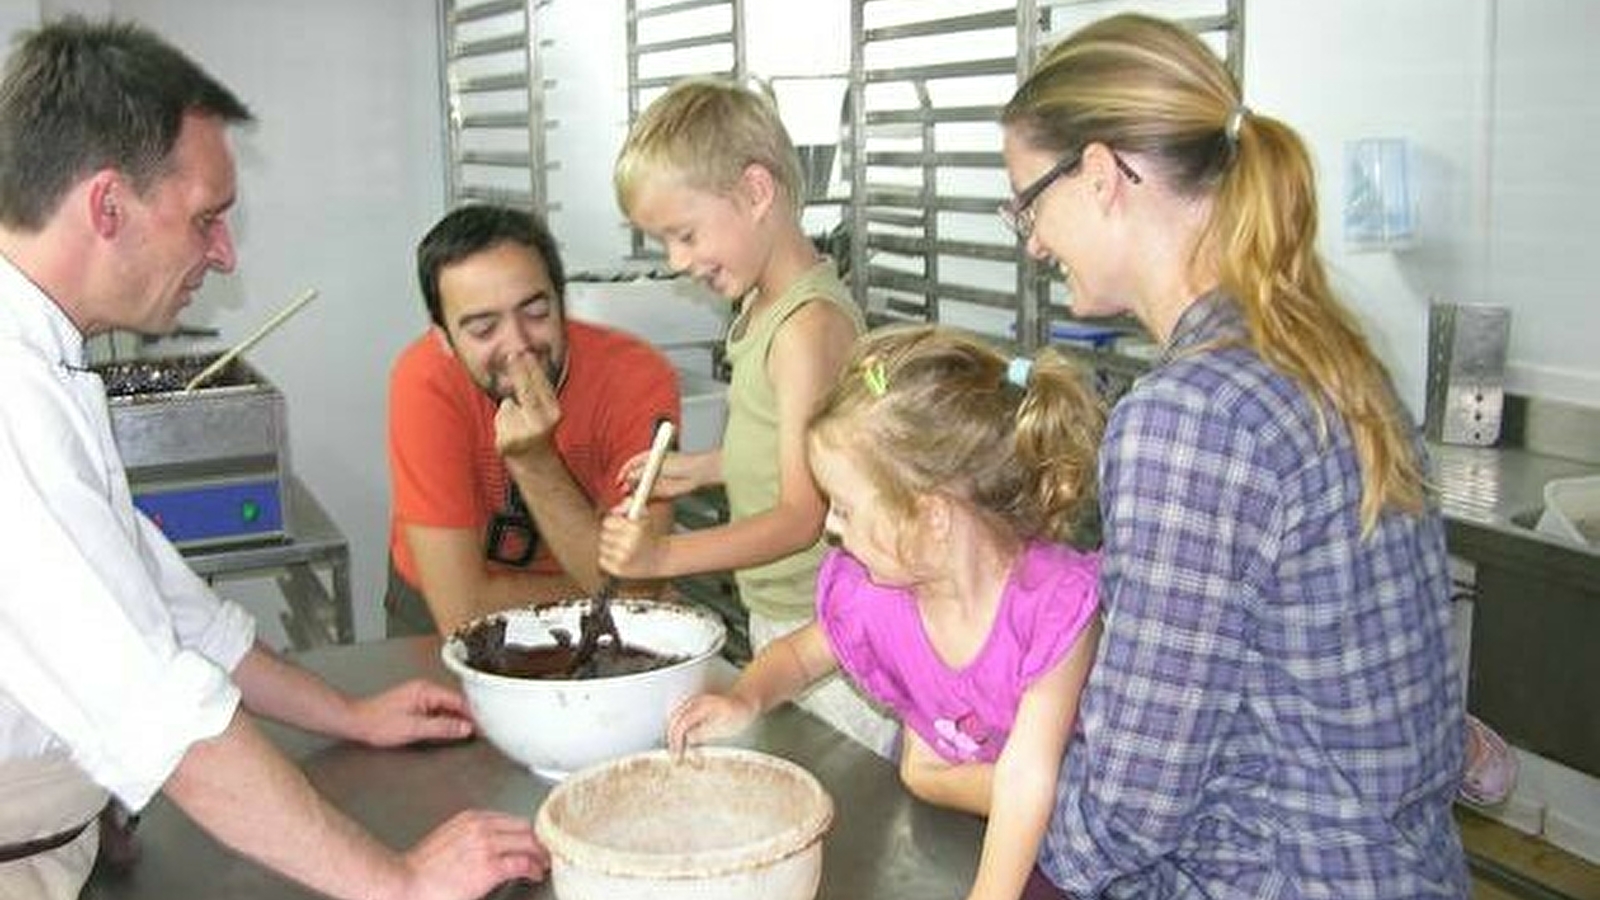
x=927 y=84
x=494 y=95
x=924 y=167
x=676 y=39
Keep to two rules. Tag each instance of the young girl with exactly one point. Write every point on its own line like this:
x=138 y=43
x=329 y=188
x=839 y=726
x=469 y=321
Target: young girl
x=710 y=171
x=950 y=476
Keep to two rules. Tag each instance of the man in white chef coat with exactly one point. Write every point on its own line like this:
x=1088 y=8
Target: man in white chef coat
x=121 y=673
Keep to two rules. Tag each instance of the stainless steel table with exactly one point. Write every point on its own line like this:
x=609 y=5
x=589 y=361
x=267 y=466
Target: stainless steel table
x=884 y=844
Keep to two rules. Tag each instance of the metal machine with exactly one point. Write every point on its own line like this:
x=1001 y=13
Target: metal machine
x=210 y=466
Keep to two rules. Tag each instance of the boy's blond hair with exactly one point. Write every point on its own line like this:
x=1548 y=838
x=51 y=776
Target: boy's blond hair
x=706 y=132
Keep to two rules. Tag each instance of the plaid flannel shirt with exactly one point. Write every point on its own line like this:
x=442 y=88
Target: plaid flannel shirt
x=1274 y=710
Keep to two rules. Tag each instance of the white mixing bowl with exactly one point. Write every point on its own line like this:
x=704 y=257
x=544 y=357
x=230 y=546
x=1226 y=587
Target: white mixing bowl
x=719 y=824
x=556 y=726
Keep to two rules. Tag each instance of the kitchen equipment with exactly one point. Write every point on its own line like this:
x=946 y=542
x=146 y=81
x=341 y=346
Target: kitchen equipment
x=255 y=337
x=1466 y=372
x=556 y=726
x=599 y=624
x=721 y=824
x=210 y=466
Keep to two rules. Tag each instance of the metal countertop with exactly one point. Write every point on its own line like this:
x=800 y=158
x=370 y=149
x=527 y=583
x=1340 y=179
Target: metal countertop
x=884 y=844
x=1491 y=485
x=1491 y=497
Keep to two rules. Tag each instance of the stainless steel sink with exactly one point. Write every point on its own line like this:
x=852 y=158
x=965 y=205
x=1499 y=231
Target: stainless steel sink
x=1528 y=518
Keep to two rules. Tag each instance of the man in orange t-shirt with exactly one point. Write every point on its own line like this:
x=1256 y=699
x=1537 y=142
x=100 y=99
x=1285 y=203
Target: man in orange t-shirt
x=508 y=425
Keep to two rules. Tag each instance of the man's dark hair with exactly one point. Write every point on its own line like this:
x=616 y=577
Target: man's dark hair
x=473 y=229
x=78 y=96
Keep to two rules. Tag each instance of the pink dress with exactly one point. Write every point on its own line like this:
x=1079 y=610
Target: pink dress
x=964 y=714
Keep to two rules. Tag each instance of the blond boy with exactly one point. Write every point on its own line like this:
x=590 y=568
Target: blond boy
x=710 y=172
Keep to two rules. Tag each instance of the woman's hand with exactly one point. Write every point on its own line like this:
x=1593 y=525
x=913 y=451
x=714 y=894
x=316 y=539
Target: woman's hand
x=706 y=717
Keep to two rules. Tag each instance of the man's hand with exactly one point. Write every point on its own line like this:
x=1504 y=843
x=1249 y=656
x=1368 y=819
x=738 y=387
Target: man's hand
x=526 y=421
x=470 y=854
x=415 y=711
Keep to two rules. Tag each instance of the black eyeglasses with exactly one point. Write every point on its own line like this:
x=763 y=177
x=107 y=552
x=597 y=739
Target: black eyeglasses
x=1017 y=212
x=513 y=539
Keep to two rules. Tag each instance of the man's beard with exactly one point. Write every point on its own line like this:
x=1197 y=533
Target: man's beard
x=499 y=386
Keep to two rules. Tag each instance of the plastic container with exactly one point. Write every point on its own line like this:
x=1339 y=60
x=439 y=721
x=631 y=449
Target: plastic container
x=1572 y=509
x=1095 y=337
x=720 y=824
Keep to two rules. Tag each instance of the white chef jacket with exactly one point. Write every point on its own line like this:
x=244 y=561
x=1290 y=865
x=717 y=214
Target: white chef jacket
x=111 y=649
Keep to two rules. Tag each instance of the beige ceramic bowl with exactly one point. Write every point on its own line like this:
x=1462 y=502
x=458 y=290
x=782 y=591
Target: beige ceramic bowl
x=719 y=824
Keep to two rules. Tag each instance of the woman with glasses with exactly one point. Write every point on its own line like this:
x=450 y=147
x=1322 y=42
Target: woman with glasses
x=1273 y=711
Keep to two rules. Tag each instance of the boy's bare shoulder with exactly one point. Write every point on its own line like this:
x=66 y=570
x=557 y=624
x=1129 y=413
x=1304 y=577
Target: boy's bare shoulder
x=813 y=341
x=818 y=318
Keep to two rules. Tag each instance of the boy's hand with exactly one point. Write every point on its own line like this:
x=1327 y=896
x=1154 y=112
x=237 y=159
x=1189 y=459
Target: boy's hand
x=706 y=717
x=680 y=474
x=629 y=548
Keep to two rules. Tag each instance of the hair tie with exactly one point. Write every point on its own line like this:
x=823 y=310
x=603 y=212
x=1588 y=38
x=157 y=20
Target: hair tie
x=1235 y=123
x=1017 y=373
x=876 y=378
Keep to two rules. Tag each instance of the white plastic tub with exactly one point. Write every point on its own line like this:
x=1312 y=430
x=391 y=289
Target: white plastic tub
x=1572 y=509
x=719 y=824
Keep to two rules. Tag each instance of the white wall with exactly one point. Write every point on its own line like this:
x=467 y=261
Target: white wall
x=1417 y=77
x=1544 y=203
x=338 y=179
x=1495 y=99
x=589 y=103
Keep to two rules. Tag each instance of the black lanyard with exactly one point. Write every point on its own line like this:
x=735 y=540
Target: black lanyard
x=513 y=539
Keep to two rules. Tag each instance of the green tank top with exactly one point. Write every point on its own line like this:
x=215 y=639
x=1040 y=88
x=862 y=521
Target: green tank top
x=785 y=588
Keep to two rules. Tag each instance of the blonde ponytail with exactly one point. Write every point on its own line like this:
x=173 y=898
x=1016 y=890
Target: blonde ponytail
x=1058 y=428
x=1264 y=227
x=1148 y=86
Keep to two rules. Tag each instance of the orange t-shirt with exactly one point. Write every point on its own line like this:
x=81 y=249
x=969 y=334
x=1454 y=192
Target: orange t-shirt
x=443 y=467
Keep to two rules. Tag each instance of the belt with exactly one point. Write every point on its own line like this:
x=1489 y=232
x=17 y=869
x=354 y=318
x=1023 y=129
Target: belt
x=25 y=849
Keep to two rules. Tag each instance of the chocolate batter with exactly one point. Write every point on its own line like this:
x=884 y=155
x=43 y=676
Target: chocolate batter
x=162 y=376
x=487 y=651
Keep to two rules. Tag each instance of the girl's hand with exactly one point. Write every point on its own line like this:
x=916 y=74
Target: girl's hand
x=681 y=473
x=706 y=717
